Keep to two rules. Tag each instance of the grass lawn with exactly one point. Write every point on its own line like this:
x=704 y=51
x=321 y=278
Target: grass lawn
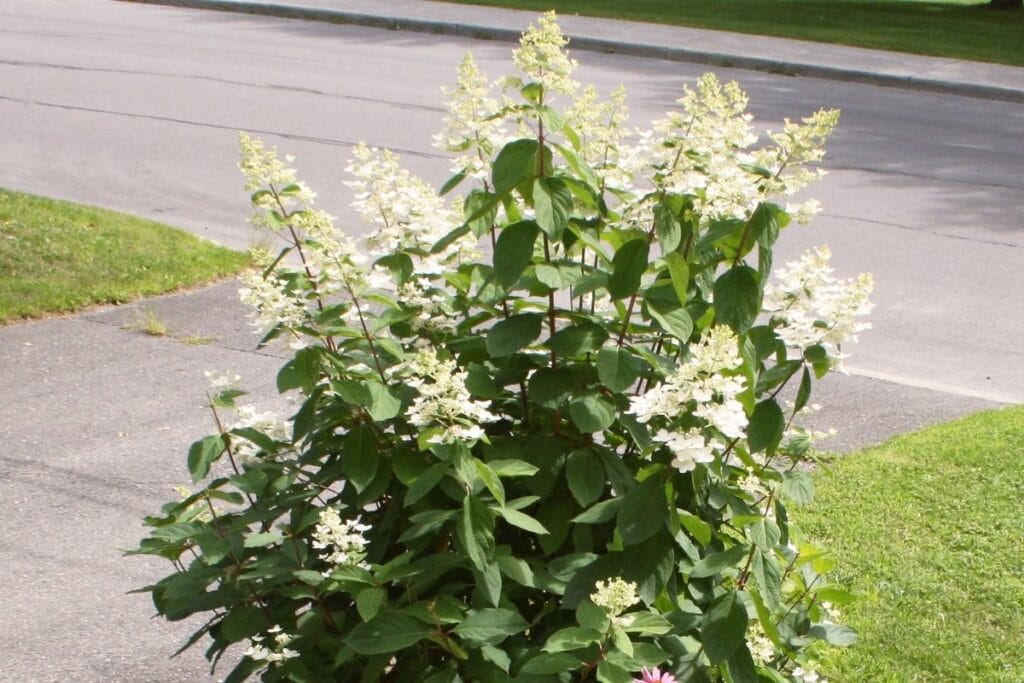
x=964 y=29
x=928 y=532
x=57 y=257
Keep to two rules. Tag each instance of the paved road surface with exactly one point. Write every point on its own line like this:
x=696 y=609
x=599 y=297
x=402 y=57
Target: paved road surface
x=136 y=108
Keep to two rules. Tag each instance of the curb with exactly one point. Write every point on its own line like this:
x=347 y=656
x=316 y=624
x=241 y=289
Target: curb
x=675 y=54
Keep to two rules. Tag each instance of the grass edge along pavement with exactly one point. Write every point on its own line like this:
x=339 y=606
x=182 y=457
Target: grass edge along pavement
x=925 y=531
x=958 y=29
x=59 y=257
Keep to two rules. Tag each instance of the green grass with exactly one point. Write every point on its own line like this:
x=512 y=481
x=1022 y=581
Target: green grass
x=57 y=257
x=950 y=28
x=928 y=532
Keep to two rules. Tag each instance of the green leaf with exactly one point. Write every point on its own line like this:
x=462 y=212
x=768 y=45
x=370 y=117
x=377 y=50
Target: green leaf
x=724 y=626
x=204 y=453
x=679 y=272
x=834 y=634
x=475 y=532
x=489 y=582
x=667 y=227
x=513 y=333
x=617 y=368
x=383 y=404
x=601 y=512
x=628 y=266
x=491 y=625
x=697 y=527
x=608 y=672
x=552 y=204
x=551 y=663
x=571 y=638
x=368 y=602
x=359 y=457
x=425 y=482
x=452 y=183
x=648 y=622
x=737 y=298
x=716 y=563
x=261 y=539
x=741 y=667
x=591 y=412
x=513 y=251
x=516 y=162
x=590 y=616
x=241 y=622
x=523 y=521
x=766 y=427
x=765 y=534
x=513 y=468
x=803 y=394
x=577 y=339
x=386 y=633
x=768 y=575
x=584 y=472
x=621 y=640
x=664 y=306
x=550 y=387
x=798 y=487
x=491 y=481
x=644 y=511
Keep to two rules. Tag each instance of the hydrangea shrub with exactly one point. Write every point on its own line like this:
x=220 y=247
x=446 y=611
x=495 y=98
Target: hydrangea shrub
x=542 y=431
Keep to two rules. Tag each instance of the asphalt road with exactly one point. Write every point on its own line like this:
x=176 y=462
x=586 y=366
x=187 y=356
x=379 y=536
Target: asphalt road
x=136 y=108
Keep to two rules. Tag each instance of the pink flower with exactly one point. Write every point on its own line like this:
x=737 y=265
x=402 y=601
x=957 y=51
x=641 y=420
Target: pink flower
x=655 y=676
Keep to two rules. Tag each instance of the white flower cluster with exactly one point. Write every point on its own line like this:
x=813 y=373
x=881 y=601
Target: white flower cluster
x=434 y=313
x=542 y=56
x=761 y=648
x=810 y=307
x=265 y=422
x=615 y=595
x=601 y=129
x=796 y=145
x=444 y=400
x=277 y=653
x=470 y=129
x=807 y=675
x=342 y=540
x=700 y=386
x=408 y=214
x=266 y=173
x=273 y=300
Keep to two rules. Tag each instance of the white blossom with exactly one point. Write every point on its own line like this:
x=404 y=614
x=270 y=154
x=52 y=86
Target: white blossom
x=273 y=299
x=810 y=307
x=615 y=595
x=276 y=654
x=470 y=129
x=700 y=381
x=688 y=448
x=342 y=540
x=444 y=401
x=542 y=56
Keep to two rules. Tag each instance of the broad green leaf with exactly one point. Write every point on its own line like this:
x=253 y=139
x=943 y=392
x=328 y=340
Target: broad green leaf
x=516 y=162
x=716 y=563
x=242 y=622
x=765 y=534
x=768 y=575
x=385 y=634
x=834 y=634
x=664 y=307
x=479 y=211
x=368 y=602
x=263 y=538
x=737 y=298
x=359 y=456
x=697 y=527
x=643 y=512
x=551 y=663
x=550 y=387
x=513 y=251
x=798 y=486
x=628 y=266
x=383 y=404
x=601 y=512
x=513 y=468
x=514 y=333
x=475 y=532
x=591 y=412
x=584 y=472
x=552 y=204
x=607 y=672
x=617 y=368
x=489 y=582
x=590 y=616
x=577 y=339
x=204 y=453
x=491 y=481
x=741 y=667
x=766 y=427
x=491 y=625
x=679 y=272
x=803 y=394
x=425 y=482
x=648 y=622
x=620 y=639
x=523 y=521
x=667 y=227
x=724 y=626
x=571 y=638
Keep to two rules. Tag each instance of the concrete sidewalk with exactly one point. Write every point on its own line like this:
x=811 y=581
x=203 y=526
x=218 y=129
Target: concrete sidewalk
x=678 y=43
